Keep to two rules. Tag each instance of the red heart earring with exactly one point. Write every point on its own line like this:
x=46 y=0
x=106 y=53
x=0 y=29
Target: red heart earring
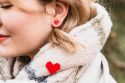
x=56 y=22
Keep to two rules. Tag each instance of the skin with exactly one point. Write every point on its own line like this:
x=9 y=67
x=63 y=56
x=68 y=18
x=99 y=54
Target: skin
x=28 y=30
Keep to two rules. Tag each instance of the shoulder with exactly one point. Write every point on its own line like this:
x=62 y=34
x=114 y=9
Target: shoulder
x=97 y=72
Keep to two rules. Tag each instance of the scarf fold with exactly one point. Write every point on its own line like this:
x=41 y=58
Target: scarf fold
x=90 y=38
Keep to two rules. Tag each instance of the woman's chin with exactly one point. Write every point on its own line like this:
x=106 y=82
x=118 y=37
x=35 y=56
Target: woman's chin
x=6 y=53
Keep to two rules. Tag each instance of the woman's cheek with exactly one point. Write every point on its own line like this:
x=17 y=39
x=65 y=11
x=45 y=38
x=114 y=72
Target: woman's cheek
x=14 y=22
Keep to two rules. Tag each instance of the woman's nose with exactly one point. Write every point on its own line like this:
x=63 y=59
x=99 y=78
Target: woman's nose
x=0 y=17
x=0 y=22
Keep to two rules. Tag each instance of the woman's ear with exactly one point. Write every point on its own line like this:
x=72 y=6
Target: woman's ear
x=61 y=11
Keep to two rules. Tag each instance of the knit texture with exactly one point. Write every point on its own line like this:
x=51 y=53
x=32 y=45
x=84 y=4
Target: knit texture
x=90 y=38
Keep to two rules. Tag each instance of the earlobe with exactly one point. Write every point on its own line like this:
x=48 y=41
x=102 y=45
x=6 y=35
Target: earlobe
x=56 y=23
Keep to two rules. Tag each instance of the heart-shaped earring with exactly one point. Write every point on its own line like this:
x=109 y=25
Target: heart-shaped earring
x=56 y=22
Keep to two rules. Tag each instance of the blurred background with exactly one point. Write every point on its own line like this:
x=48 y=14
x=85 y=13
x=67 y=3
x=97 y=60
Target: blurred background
x=114 y=49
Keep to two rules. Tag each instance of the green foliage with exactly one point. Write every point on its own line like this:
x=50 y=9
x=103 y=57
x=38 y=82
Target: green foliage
x=115 y=46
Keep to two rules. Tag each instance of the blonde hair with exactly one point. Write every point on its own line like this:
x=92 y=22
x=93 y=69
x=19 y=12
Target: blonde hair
x=80 y=11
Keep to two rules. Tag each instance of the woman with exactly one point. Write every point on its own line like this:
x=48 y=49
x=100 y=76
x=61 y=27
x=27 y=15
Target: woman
x=53 y=41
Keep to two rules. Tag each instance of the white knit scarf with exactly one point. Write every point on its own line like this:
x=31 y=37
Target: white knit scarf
x=92 y=35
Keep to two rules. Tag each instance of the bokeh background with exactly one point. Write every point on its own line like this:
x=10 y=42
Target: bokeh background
x=114 y=49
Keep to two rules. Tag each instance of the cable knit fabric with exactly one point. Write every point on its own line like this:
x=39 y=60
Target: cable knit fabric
x=90 y=38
